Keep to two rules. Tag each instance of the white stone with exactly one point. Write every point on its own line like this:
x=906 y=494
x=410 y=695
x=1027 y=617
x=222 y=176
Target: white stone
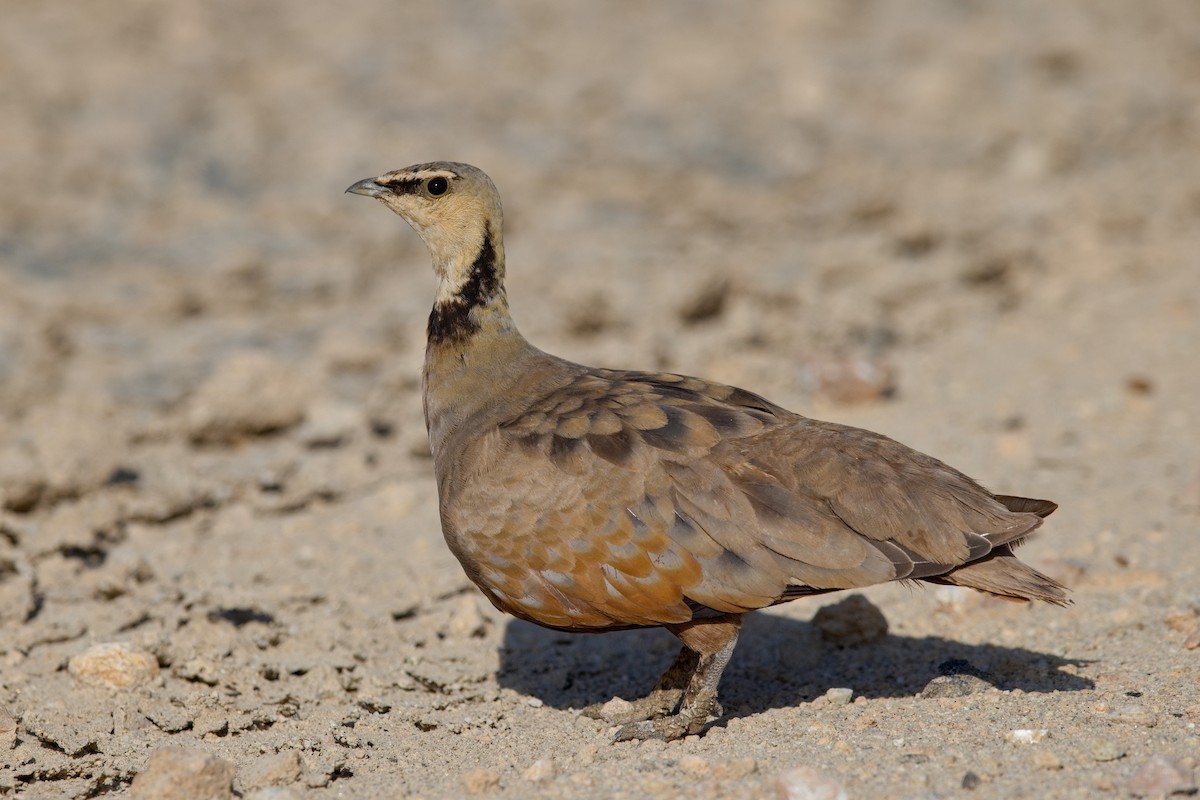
x=113 y=664
x=806 y=783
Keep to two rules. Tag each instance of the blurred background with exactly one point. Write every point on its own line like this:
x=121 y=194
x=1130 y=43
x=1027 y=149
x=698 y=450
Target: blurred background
x=844 y=174
x=971 y=225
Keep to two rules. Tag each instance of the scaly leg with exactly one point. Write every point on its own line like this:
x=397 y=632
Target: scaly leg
x=712 y=640
x=663 y=698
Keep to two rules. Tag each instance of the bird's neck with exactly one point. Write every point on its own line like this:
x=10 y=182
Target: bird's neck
x=470 y=297
x=474 y=351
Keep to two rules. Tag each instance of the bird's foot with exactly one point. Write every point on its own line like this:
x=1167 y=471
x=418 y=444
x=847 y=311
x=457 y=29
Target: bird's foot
x=658 y=703
x=676 y=726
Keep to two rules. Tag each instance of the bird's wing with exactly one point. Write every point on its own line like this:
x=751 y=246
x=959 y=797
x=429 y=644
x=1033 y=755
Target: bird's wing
x=885 y=492
x=626 y=498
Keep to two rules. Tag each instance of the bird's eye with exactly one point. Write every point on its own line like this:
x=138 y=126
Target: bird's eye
x=437 y=186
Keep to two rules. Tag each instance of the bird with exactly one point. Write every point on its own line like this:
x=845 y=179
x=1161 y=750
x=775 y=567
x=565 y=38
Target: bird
x=588 y=499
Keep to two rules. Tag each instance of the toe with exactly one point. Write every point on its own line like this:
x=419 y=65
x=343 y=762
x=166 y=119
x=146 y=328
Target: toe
x=658 y=704
x=639 y=731
x=667 y=729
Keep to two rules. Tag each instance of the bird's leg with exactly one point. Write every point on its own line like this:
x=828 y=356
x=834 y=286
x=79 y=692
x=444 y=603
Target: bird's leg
x=663 y=698
x=712 y=640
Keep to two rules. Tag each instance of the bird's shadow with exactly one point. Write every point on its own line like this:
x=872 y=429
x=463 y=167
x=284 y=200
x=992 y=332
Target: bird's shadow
x=779 y=663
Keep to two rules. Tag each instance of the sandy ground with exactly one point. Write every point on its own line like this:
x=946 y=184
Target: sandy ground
x=211 y=446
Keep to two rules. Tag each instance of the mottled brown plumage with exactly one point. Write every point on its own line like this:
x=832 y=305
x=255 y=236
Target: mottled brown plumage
x=592 y=499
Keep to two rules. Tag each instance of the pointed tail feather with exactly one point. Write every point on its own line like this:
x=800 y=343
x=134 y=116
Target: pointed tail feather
x=1002 y=574
x=1043 y=508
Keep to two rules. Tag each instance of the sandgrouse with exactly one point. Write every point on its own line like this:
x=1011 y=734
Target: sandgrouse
x=590 y=500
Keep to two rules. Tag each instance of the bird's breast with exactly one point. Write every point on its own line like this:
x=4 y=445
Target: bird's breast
x=560 y=552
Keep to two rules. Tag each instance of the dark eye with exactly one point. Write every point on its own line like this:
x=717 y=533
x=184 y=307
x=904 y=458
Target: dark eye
x=437 y=186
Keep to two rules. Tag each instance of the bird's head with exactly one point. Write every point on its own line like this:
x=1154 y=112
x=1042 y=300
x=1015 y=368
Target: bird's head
x=454 y=207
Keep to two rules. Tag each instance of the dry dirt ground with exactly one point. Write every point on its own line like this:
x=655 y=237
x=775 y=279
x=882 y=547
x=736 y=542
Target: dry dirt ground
x=211 y=446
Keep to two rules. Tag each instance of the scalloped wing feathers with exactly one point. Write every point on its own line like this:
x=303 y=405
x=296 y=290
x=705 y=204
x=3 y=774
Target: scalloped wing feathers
x=623 y=499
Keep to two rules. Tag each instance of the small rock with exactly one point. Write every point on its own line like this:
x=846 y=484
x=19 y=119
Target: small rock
x=849 y=381
x=249 y=394
x=707 y=303
x=806 y=783
x=478 y=781
x=1192 y=641
x=1105 y=750
x=318 y=772
x=693 y=765
x=1026 y=735
x=971 y=781
x=330 y=424
x=960 y=666
x=1180 y=621
x=346 y=350
x=22 y=477
x=654 y=788
x=535 y=702
x=1139 y=385
x=540 y=771
x=1161 y=777
x=735 y=769
x=839 y=697
x=76 y=446
x=167 y=716
x=1046 y=759
x=467 y=620
x=183 y=773
x=853 y=621
x=959 y=685
x=275 y=793
x=615 y=709
x=956 y=598
x=276 y=769
x=587 y=754
x=588 y=313
x=652 y=746
x=126 y=721
x=1132 y=714
x=113 y=664
x=198 y=670
x=210 y=720
x=326 y=683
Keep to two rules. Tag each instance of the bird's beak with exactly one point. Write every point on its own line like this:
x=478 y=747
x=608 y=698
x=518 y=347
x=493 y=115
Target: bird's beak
x=367 y=187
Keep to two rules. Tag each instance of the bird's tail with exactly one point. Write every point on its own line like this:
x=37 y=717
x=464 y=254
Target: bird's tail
x=1001 y=573
x=1027 y=505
